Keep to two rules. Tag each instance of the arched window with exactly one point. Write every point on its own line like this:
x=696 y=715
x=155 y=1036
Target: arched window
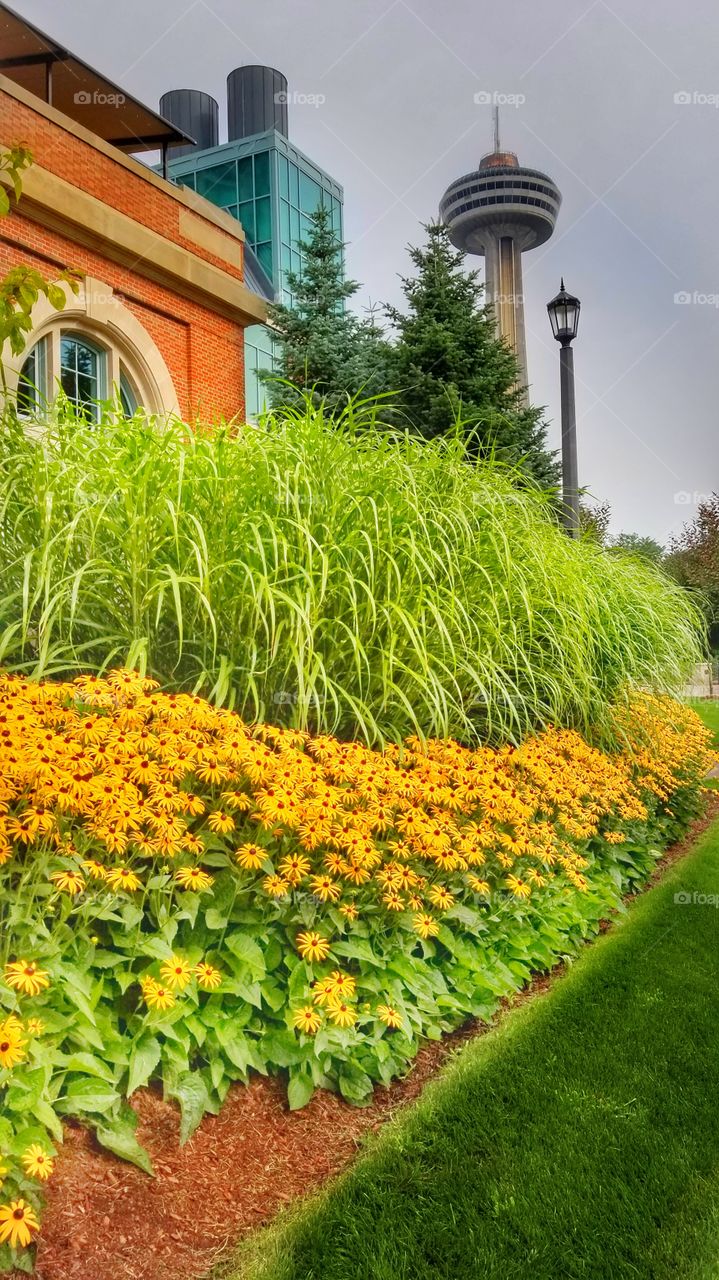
x=83 y=374
x=129 y=398
x=32 y=382
x=97 y=352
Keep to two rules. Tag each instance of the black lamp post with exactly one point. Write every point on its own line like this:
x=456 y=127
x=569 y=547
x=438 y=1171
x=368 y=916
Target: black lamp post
x=564 y=318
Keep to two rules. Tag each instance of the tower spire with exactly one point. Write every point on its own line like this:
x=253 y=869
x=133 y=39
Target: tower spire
x=495 y=112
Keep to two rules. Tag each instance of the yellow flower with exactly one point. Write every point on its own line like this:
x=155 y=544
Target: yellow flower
x=312 y=946
x=349 y=911
x=207 y=976
x=123 y=878
x=17 y=1223
x=193 y=878
x=441 y=897
x=390 y=1016
x=479 y=886
x=425 y=925
x=325 y=888
x=68 y=882
x=34 y=1026
x=295 y=867
x=307 y=1019
x=342 y=1014
x=221 y=822
x=519 y=888
x=157 y=996
x=275 y=886
x=340 y=986
x=95 y=868
x=25 y=976
x=251 y=857
x=322 y=990
x=38 y=1164
x=12 y=1045
x=176 y=973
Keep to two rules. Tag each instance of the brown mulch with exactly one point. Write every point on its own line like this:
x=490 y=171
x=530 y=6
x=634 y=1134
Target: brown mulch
x=106 y=1220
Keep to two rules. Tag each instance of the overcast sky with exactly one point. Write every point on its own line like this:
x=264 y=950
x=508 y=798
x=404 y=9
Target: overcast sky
x=618 y=103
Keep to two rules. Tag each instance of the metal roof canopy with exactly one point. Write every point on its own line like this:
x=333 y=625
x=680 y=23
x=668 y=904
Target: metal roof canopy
x=39 y=64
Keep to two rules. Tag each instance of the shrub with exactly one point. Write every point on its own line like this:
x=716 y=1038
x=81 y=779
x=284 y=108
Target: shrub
x=329 y=575
x=187 y=898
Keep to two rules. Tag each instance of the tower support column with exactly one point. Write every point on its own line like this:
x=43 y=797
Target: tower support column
x=504 y=289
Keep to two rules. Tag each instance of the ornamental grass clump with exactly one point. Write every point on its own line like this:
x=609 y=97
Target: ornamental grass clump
x=186 y=898
x=325 y=574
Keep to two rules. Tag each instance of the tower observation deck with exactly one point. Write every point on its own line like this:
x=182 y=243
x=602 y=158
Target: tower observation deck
x=500 y=211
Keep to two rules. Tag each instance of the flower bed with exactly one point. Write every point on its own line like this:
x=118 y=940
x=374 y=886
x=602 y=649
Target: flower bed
x=188 y=898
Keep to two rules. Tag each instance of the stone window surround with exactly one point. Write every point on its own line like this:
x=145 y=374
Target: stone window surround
x=97 y=313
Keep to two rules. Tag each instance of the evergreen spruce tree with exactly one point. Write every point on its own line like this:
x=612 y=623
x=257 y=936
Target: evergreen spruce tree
x=450 y=364
x=325 y=348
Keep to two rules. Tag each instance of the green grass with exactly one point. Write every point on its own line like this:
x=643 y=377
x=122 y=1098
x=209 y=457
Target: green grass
x=332 y=575
x=708 y=713
x=578 y=1140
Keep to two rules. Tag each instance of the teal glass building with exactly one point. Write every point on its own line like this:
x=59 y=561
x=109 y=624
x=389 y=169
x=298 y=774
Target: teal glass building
x=271 y=187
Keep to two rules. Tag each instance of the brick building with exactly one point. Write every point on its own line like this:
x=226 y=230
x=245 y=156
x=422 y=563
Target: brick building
x=161 y=313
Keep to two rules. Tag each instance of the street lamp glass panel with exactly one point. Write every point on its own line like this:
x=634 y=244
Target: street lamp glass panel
x=564 y=315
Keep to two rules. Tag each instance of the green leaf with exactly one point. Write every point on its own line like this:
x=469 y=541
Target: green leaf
x=87 y=1095
x=191 y=1093
x=299 y=1091
x=43 y=1112
x=214 y=919
x=119 y=1137
x=88 y=1064
x=245 y=949
x=144 y=1057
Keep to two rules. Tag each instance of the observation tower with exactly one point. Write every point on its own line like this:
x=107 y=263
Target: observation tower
x=500 y=211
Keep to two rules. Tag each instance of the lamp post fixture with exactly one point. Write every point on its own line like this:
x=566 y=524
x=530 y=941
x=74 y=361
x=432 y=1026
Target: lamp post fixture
x=564 y=319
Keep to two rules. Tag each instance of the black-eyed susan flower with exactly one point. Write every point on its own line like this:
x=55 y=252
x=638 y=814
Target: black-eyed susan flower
x=176 y=973
x=12 y=1044
x=342 y=1014
x=221 y=822
x=251 y=857
x=479 y=886
x=68 y=882
x=276 y=886
x=208 y=977
x=312 y=946
x=349 y=911
x=123 y=878
x=307 y=1019
x=156 y=995
x=326 y=888
x=94 y=868
x=295 y=867
x=25 y=976
x=389 y=1015
x=518 y=887
x=322 y=990
x=441 y=897
x=37 y=1163
x=193 y=878
x=341 y=986
x=18 y=1220
x=425 y=925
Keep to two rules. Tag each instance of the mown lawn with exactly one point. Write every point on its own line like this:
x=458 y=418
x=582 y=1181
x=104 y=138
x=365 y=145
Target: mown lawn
x=708 y=712
x=580 y=1139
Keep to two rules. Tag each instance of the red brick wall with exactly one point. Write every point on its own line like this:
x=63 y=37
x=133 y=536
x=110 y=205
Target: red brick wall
x=204 y=352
